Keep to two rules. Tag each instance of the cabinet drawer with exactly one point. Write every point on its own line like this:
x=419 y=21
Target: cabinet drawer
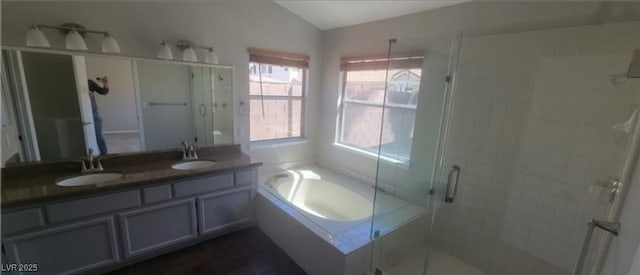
x=217 y=211
x=69 y=249
x=22 y=220
x=144 y=230
x=246 y=177
x=156 y=193
x=92 y=206
x=202 y=185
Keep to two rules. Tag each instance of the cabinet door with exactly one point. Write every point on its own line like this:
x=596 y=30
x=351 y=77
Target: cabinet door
x=147 y=229
x=220 y=210
x=23 y=220
x=67 y=249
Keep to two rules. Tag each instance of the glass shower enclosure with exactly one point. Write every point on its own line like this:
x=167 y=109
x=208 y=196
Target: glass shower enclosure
x=509 y=152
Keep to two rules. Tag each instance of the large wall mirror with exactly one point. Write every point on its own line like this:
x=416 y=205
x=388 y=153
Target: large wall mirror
x=55 y=105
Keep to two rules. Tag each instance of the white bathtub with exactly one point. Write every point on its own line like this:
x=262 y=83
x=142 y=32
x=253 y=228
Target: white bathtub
x=321 y=198
x=323 y=219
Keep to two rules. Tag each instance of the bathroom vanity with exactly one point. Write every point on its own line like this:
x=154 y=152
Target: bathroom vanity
x=152 y=209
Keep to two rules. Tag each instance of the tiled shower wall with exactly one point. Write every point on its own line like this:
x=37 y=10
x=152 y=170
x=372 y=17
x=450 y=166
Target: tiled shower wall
x=532 y=130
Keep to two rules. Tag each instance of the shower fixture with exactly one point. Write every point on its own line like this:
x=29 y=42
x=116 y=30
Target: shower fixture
x=627 y=126
x=632 y=72
x=617 y=79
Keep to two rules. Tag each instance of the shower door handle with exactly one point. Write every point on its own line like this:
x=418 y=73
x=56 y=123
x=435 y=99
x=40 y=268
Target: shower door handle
x=611 y=227
x=452 y=184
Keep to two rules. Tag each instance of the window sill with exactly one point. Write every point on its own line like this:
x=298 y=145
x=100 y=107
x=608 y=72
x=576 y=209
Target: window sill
x=271 y=143
x=360 y=152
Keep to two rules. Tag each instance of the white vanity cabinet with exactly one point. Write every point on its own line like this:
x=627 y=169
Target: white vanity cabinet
x=96 y=233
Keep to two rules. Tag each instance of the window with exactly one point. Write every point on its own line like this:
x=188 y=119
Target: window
x=277 y=100
x=363 y=106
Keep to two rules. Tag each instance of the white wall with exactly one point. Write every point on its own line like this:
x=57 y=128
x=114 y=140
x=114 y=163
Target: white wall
x=229 y=26
x=118 y=108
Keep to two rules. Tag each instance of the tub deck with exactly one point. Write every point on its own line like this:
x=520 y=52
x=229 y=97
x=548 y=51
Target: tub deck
x=390 y=212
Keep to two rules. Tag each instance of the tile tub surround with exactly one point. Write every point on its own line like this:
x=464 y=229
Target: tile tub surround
x=35 y=182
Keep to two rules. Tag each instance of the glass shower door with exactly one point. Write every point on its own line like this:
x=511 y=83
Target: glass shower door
x=202 y=98
x=418 y=78
x=541 y=124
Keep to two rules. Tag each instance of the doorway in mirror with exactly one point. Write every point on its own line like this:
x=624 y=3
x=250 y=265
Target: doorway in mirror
x=117 y=109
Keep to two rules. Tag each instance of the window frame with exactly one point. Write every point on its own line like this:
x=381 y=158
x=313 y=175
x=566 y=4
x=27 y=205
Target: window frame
x=340 y=127
x=290 y=99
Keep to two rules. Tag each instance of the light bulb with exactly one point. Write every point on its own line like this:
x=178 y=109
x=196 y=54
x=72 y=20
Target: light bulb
x=165 y=51
x=75 y=41
x=211 y=57
x=109 y=44
x=36 y=38
x=189 y=54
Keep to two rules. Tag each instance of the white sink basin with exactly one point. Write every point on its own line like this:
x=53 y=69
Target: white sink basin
x=87 y=179
x=193 y=164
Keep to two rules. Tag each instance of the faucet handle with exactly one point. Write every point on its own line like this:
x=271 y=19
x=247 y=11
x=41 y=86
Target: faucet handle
x=90 y=158
x=83 y=165
x=192 y=152
x=185 y=149
x=99 y=163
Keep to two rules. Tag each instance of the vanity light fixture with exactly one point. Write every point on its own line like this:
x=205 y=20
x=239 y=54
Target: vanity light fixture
x=188 y=52
x=74 y=37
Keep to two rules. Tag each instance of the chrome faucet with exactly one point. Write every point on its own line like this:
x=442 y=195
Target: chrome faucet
x=91 y=167
x=188 y=152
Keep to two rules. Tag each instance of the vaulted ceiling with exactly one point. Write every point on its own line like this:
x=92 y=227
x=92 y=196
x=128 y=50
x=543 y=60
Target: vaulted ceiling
x=334 y=14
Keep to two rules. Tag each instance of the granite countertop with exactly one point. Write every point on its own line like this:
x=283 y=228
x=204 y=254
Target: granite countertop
x=35 y=183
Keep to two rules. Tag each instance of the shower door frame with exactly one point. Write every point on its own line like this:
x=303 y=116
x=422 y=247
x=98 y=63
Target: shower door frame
x=443 y=131
x=626 y=174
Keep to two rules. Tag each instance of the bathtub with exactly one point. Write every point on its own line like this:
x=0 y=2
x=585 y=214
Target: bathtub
x=321 y=198
x=324 y=220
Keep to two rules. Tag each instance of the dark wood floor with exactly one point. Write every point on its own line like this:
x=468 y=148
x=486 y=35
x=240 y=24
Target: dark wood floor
x=249 y=251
